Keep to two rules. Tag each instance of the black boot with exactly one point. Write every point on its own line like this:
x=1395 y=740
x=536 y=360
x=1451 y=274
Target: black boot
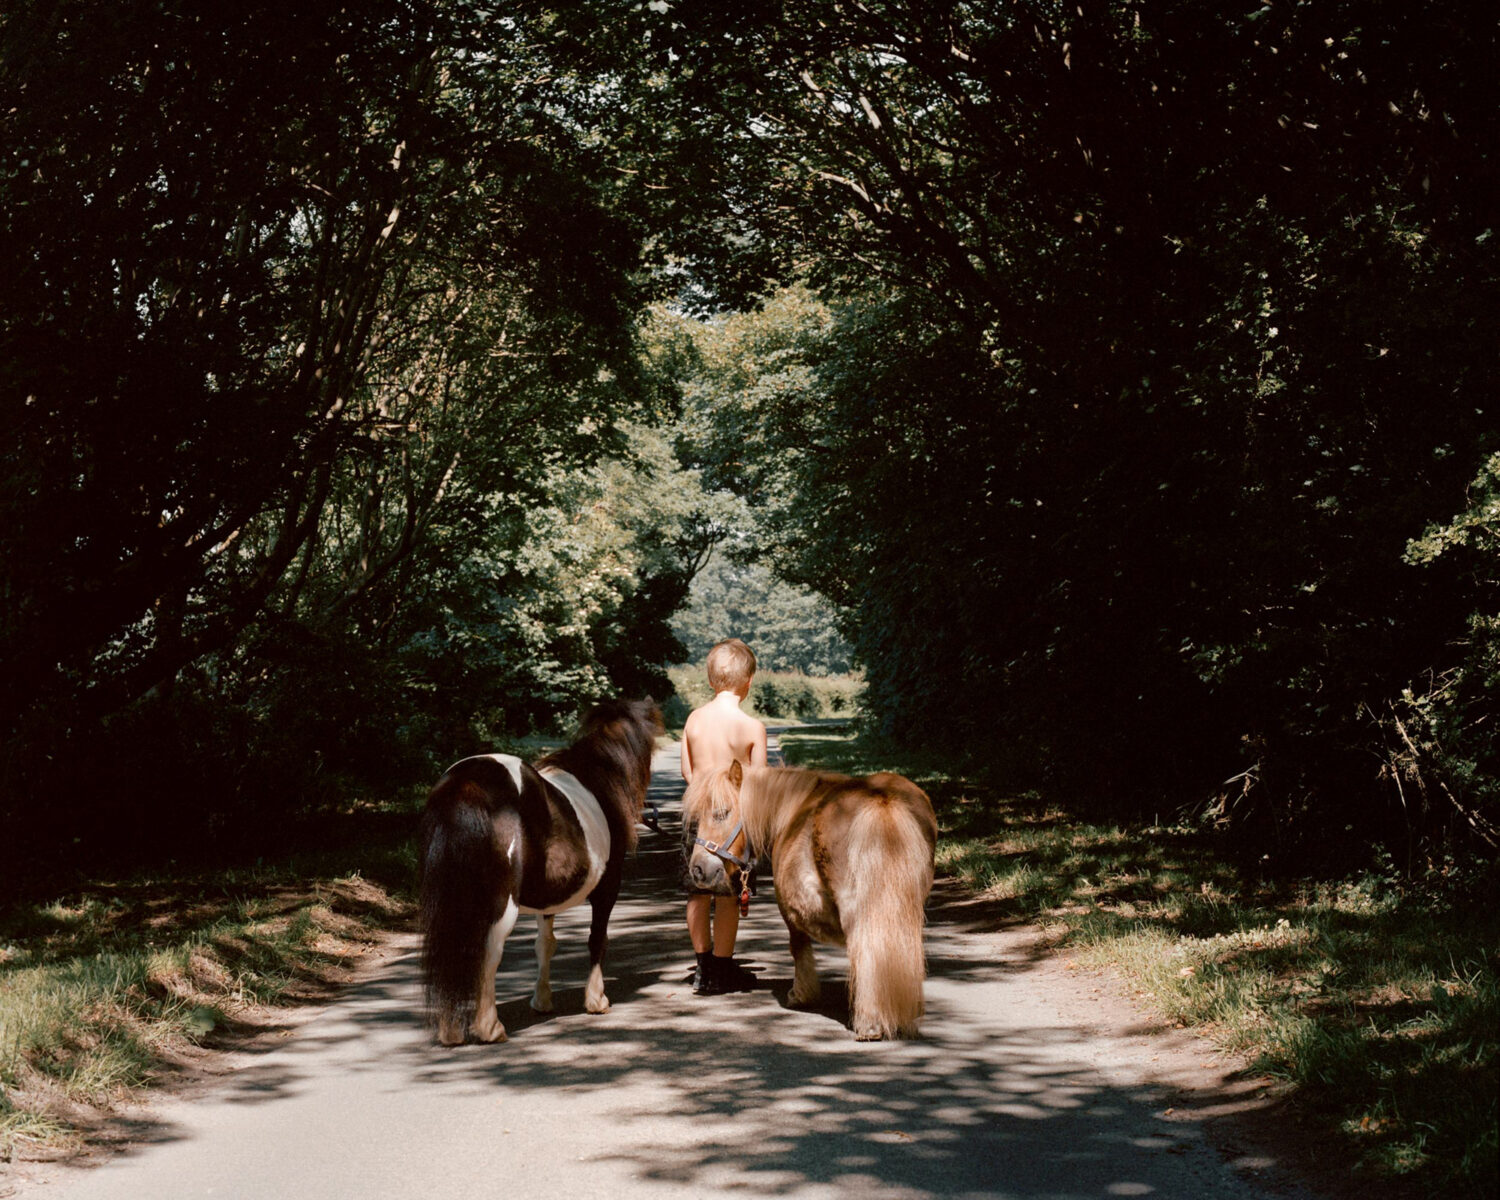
x=703 y=975
x=729 y=976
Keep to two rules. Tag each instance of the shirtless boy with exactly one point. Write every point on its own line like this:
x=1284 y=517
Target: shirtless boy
x=715 y=735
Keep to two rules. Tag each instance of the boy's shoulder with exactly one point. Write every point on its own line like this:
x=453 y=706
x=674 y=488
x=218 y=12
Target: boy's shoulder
x=704 y=716
x=708 y=713
x=747 y=726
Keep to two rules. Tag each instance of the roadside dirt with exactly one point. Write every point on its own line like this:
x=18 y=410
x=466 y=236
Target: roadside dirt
x=187 y=1069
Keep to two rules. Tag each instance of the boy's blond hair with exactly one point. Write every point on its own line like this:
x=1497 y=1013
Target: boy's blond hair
x=731 y=664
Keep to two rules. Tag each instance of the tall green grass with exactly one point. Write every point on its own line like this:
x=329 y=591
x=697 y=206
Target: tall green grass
x=1373 y=1001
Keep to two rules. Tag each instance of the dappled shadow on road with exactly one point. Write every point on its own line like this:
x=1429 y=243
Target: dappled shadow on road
x=745 y=1093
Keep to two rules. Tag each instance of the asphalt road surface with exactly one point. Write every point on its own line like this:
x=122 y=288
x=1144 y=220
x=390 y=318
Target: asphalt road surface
x=1008 y=1094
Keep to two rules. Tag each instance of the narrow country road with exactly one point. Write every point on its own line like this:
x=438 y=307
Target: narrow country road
x=1008 y=1094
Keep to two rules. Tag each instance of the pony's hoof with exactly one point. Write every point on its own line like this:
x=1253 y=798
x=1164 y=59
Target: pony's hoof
x=448 y=1036
x=597 y=1005
x=489 y=1031
x=868 y=1035
x=541 y=1003
x=804 y=998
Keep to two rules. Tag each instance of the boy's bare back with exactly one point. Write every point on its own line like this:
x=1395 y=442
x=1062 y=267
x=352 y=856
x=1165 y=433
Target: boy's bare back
x=718 y=734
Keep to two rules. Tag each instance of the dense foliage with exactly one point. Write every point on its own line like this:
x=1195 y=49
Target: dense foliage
x=789 y=628
x=317 y=349
x=1157 y=333
x=1123 y=373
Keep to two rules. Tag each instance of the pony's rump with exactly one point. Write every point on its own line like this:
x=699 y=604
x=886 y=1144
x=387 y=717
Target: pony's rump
x=854 y=862
x=464 y=881
x=887 y=878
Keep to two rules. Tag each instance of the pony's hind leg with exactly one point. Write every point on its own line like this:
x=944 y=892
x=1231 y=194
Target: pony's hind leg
x=594 y=999
x=806 y=988
x=602 y=902
x=487 y=1025
x=546 y=947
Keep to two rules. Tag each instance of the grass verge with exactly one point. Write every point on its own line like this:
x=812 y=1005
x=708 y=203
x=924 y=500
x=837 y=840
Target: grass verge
x=103 y=990
x=1373 y=1000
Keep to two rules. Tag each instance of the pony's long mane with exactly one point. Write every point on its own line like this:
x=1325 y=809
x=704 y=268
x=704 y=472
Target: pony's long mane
x=612 y=758
x=768 y=797
x=710 y=794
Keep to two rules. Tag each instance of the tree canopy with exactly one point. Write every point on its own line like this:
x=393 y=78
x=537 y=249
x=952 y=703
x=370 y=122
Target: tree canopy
x=1123 y=374
x=1157 y=333
x=318 y=334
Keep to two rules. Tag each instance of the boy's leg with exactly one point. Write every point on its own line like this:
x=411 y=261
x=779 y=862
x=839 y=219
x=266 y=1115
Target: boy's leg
x=728 y=975
x=699 y=908
x=726 y=925
x=698 y=923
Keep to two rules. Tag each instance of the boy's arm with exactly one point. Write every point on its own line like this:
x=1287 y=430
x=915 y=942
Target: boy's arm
x=758 y=745
x=687 y=757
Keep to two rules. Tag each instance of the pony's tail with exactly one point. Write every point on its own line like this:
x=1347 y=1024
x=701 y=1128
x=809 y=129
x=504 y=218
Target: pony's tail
x=463 y=880
x=890 y=875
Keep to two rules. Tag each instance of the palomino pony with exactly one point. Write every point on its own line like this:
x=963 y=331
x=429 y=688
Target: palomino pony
x=500 y=838
x=853 y=864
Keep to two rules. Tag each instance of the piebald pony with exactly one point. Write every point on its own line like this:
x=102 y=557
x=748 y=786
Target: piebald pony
x=500 y=837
